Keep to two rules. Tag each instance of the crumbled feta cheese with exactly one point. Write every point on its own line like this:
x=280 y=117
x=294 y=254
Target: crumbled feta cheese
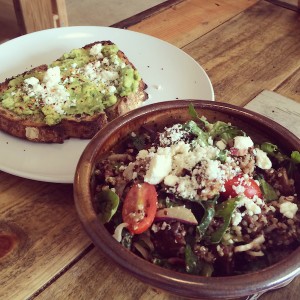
x=52 y=77
x=109 y=75
x=51 y=91
x=221 y=145
x=171 y=135
x=210 y=140
x=96 y=50
x=31 y=81
x=251 y=207
x=288 y=209
x=187 y=187
x=262 y=160
x=243 y=142
x=170 y=180
x=236 y=218
x=160 y=166
x=239 y=189
x=142 y=154
x=212 y=169
x=112 y=89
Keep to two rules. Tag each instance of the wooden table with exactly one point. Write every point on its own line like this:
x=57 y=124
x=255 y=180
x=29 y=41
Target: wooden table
x=245 y=46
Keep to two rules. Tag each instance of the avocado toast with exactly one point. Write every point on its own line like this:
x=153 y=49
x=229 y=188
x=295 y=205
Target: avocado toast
x=75 y=96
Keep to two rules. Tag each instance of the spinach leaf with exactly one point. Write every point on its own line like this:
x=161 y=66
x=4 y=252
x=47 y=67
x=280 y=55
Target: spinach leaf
x=107 y=203
x=224 y=211
x=267 y=190
x=209 y=212
x=196 y=266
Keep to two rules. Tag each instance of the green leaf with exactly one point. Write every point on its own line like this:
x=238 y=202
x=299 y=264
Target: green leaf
x=224 y=210
x=267 y=190
x=269 y=148
x=291 y=162
x=195 y=116
x=196 y=266
x=219 y=129
x=225 y=131
x=273 y=151
x=191 y=261
x=201 y=136
x=295 y=156
x=192 y=111
x=209 y=212
x=107 y=204
x=222 y=156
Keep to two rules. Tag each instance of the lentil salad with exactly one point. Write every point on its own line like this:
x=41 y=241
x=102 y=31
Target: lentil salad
x=200 y=198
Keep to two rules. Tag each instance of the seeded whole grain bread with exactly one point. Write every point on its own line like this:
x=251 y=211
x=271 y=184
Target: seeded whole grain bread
x=77 y=126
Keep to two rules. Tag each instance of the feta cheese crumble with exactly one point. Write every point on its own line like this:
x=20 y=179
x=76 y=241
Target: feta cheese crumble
x=242 y=142
x=288 y=209
x=262 y=160
x=51 y=92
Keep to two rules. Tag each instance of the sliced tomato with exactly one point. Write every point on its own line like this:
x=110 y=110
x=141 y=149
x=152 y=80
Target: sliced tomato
x=139 y=207
x=239 y=185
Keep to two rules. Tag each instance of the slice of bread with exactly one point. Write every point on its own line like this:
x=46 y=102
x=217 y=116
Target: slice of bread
x=85 y=125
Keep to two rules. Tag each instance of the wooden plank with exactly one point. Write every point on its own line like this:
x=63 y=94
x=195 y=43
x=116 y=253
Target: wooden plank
x=187 y=20
x=8 y=22
x=244 y=57
x=41 y=222
x=290 y=87
x=278 y=108
x=146 y=14
x=96 y=277
x=290 y=4
x=60 y=10
x=289 y=292
x=34 y=15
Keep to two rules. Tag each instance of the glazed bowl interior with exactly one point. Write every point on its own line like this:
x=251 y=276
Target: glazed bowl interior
x=185 y=285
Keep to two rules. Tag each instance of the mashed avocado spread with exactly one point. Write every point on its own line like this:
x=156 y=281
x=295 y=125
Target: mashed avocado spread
x=83 y=81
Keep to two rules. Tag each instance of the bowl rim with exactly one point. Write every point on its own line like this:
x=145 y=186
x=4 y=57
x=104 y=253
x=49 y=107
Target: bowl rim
x=190 y=285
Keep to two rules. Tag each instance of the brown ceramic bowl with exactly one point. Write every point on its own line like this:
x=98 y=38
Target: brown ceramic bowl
x=184 y=285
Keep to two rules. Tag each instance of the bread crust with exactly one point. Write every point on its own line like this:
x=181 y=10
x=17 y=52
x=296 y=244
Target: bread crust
x=78 y=126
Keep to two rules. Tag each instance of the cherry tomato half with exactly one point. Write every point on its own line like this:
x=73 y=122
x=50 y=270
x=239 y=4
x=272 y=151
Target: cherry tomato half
x=139 y=207
x=238 y=185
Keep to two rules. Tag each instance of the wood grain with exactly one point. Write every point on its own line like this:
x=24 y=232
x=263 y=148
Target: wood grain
x=8 y=21
x=186 y=21
x=243 y=57
x=291 y=292
x=34 y=15
x=41 y=219
x=290 y=87
x=96 y=277
x=60 y=10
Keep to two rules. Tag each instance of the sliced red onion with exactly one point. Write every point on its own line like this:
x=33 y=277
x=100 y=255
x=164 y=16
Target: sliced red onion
x=178 y=213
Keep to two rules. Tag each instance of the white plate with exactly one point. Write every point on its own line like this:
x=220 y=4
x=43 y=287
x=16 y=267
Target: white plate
x=169 y=72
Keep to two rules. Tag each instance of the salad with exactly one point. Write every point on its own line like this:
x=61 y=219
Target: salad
x=201 y=198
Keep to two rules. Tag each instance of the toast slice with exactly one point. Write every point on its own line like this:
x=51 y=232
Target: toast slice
x=74 y=97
